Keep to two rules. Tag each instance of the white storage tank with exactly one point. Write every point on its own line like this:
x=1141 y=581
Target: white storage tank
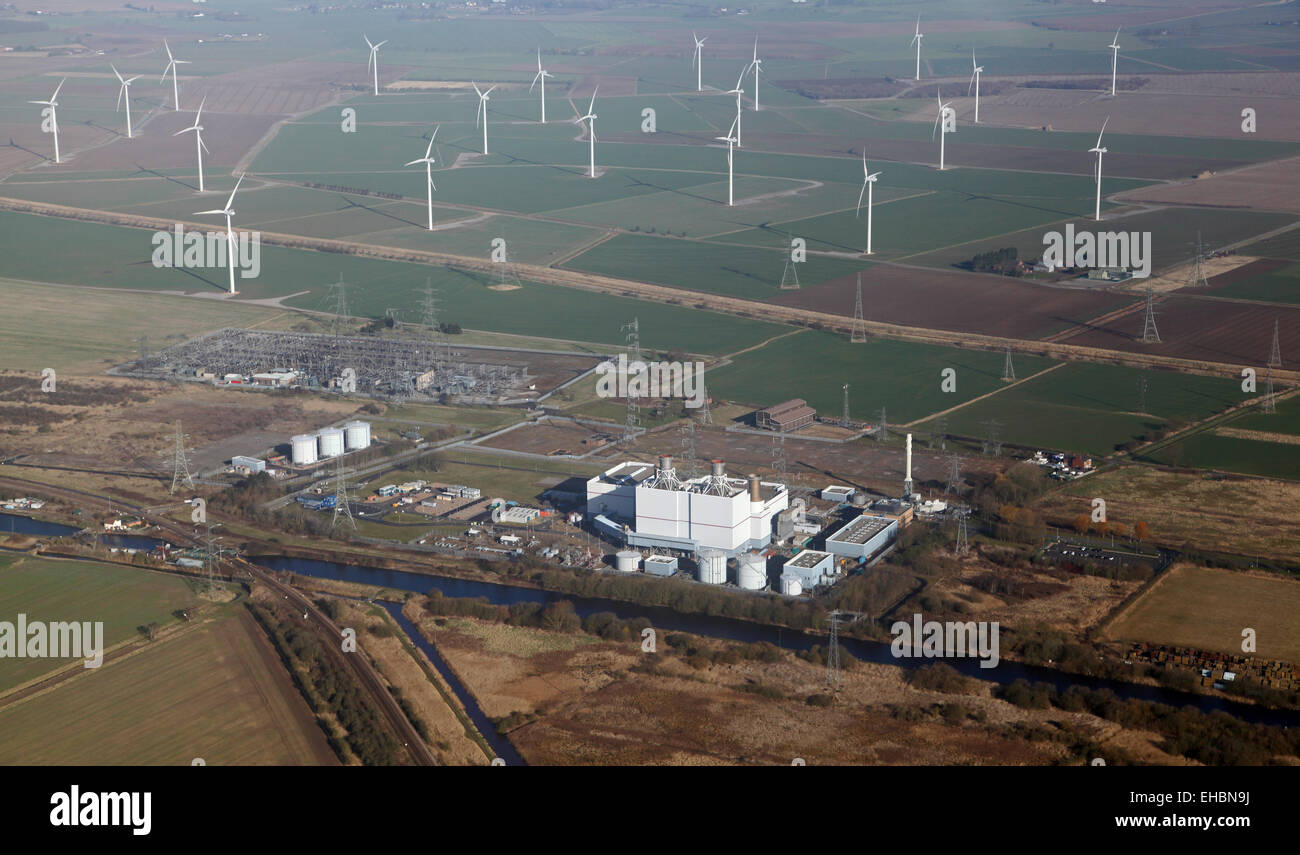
x=628 y=561
x=331 y=442
x=790 y=585
x=356 y=435
x=752 y=574
x=304 y=449
x=712 y=566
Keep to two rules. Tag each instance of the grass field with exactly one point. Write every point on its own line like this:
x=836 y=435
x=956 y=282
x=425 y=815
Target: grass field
x=216 y=692
x=1277 y=286
x=122 y=598
x=1208 y=608
x=1093 y=408
x=1209 y=450
x=904 y=377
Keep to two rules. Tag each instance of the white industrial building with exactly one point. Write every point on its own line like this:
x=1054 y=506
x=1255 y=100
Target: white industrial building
x=811 y=567
x=648 y=505
x=863 y=537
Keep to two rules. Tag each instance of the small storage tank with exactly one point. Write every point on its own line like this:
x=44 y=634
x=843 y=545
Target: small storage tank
x=752 y=574
x=791 y=586
x=712 y=566
x=356 y=435
x=304 y=449
x=628 y=561
x=330 y=442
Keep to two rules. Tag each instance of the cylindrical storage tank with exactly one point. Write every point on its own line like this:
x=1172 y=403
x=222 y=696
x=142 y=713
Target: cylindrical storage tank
x=791 y=586
x=712 y=566
x=356 y=435
x=304 y=449
x=330 y=442
x=752 y=575
x=628 y=561
x=859 y=499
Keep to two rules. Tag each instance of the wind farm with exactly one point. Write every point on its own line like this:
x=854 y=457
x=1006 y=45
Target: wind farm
x=1043 y=315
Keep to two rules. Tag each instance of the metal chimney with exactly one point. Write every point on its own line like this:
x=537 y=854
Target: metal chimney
x=755 y=489
x=907 y=481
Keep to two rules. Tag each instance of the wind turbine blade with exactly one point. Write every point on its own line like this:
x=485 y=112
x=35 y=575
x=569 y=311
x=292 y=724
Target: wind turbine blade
x=864 y=163
x=202 y=144
x=539 y=59
x=200 y=213
x=861 y=193
x=477 y=91
x=592 y=105
x=55 y=96
x=200 y=111
x=490 y=88
x=535 y=78
x=381 y=44
x=115 y=71
x=231 y=200
x=367 y=38
x=1103 y=130
x=167 y=48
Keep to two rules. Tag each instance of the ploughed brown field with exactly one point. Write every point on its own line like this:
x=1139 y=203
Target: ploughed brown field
x=956 y=301
x=1267 y=187
x=1194 y=328
x=226 y=136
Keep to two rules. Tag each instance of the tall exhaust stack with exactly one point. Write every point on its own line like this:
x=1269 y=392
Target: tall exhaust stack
x=755 y=489
x=907 y=482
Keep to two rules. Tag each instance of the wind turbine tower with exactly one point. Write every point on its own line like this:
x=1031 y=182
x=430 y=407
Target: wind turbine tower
x=53 y=104
x=199 y=147
x=428 y=160
x=976 y=71
x=1114 y=60
x=868 y=184
x=756 y=65
x=481 y=114
x=738 y=92
x=730 y=140
x=697 y=60
x=540 y=77
x=590 y=119
x=941 y=124
x=916 y=40
x=228 y=212
x=172 y=62
x=1099 y=150
x=125 y=91
x=373 y=63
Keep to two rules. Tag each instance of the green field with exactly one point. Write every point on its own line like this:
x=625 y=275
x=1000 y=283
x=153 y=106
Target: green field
x=904 y=377
x=1231 y=454
x=1276 y=286
x=217 y=693
x=1093 y=408
x=122 y=598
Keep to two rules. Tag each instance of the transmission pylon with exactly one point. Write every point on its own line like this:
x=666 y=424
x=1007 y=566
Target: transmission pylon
x=962 y=546
x=940 y=432
x=1150 y=335
x=1197 y=279
x=778 y=453
x=858 y=335
x=342 y=508
x=882 y=429
x=1275 y=354
x=181 y=463
x=992 y=441
x=338 y=305
x=844 y=419
x=954 y=474
x=1142 y=392
x=790 y=276
x=433 y=326
x=689 y=463
x=1269 y=404
x=706 y=414
x=1008 y=370
x=632 y=418
x=833 y=677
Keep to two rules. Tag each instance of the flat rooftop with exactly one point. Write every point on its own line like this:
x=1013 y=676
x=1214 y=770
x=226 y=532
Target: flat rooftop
x=628 y=473
x=861 y=529
x=808 y=559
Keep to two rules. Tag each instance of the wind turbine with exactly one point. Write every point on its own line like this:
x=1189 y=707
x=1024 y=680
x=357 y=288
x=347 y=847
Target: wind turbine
x=481 y=113
x=755 y=64
x=1099 y=150
x=976 y=71
x=738 y=92
x=590 y=119
x=199 y=147
x=172 y=62
x=428 y=162
x=373 y=62
x=228 y=212
x=697 y=60
x=940 y=125
x=125 y=90
x=868 y=184
x=53 y=104
x=730 y=140
x=541 y=76
x=916 y=40
x=1114 y=60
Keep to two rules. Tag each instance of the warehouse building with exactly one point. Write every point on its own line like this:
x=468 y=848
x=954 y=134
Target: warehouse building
x=863 y=537
x=789 y=416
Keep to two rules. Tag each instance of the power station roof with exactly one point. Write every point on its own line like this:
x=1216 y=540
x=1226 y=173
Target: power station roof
x=862 y=529
x=808 y=559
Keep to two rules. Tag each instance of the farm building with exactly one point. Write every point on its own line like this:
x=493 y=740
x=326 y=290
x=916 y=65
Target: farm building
x=789 y=416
